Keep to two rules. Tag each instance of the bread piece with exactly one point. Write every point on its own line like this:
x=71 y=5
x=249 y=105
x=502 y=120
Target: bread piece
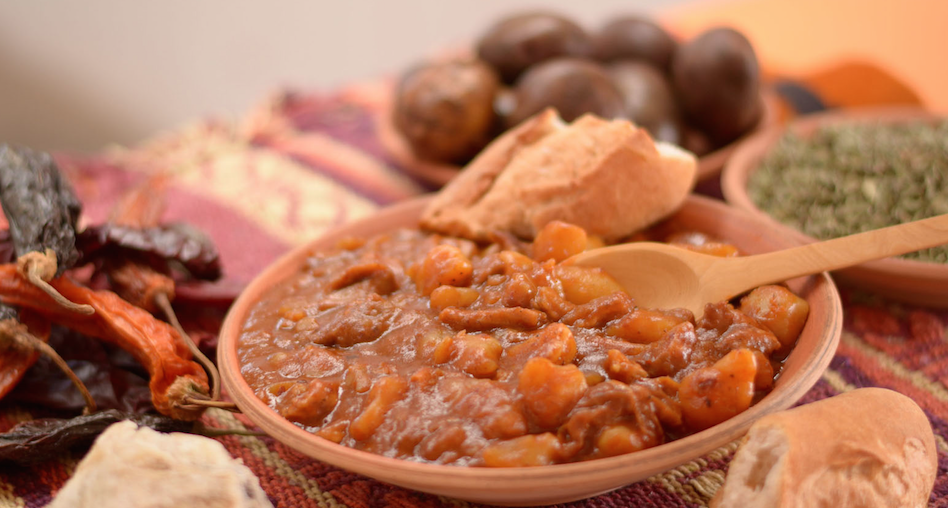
x=131 y=467
x=606 y=176
x=867 y=448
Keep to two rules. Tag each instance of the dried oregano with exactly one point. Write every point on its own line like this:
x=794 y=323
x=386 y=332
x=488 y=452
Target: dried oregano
x=849 y=178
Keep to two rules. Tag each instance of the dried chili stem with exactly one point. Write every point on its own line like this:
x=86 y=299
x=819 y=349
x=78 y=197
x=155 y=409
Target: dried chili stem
x=58 y=298
x=16 y=334
x=163 y=303
x=39 y=269
x=198 y=403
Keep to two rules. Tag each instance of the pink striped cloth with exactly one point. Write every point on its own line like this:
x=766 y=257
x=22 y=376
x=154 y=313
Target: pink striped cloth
x=302 y=163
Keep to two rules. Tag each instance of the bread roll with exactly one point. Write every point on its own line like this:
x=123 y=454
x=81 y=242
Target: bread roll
x=867 y=448
x=132 y=467
x=606 y=176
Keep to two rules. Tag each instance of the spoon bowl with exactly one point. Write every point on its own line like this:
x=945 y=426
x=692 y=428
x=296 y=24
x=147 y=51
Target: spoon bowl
x=659 y=275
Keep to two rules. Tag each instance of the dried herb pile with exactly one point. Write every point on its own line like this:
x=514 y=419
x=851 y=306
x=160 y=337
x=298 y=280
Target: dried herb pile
x=854 y=177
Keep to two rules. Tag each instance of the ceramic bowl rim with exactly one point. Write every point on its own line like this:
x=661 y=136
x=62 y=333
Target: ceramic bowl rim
x=450 y=477
x=746 y=157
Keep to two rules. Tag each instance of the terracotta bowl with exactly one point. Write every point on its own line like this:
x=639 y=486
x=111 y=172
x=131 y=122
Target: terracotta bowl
x=438 y=174
x=901 y=279
x=562 y=482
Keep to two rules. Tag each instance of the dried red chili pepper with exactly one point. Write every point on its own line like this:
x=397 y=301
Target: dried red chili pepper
x=143 y=206
x=143 y=287
x=139 y=283
x=7 y=250
x=175 y=380
x=42 y=211
x=14 y=361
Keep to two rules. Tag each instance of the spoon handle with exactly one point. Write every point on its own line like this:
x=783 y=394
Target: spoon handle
x=849 y=250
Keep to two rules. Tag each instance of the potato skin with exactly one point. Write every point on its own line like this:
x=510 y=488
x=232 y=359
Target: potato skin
x=649 y=99
x=635 y=38
x=517 y=42
x=445 y=110
x=572 y=86
x=716 y=78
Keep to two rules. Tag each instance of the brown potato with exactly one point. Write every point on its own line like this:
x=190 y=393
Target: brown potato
x=549 y=391
x=554 y=343
x=477 y=354
x=616 y=439
x=385 y=392
x=445 y=110
x=451 y=296
x=621 y=368
x=559 y=241
x=572 y=86
x=713 y=394
x=717 y=80
x=308 y=403
x=529 y=450
x=645 y=326
x=517 y=42
x=778 y=309
x=583 y=285
x=635 y=38
x=443 y=265
x=649 y=99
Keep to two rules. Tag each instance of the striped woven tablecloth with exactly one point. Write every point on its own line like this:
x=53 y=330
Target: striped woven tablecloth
x=301 y=163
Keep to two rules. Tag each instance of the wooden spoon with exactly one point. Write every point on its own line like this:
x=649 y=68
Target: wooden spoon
x=658 y=275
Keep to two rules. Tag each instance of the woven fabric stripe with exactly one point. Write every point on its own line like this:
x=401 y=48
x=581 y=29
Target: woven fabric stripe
x=301 y=163
x=263 y=458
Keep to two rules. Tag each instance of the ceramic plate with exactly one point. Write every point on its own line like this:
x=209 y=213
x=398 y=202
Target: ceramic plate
x=901 y=279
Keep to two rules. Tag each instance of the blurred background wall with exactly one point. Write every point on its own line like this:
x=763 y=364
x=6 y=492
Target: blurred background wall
x=80 y=75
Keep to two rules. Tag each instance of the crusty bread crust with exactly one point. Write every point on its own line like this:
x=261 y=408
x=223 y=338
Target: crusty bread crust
x=867 y=448
x=606 y=176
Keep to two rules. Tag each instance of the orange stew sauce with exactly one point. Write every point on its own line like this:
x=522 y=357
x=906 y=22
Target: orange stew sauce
x=434 y=349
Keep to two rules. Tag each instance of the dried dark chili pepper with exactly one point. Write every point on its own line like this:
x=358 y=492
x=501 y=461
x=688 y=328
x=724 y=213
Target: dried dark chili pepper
x=39 y=205
x=175 y=380
x=131 y=276
x=168 y=244
x=20 y=348
x=114 y=378
x=42 y=211
x=43 y=439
